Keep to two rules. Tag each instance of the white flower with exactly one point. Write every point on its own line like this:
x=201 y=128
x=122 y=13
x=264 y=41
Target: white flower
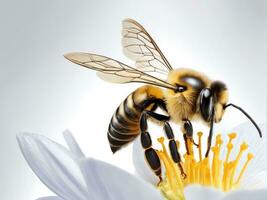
x=71 y=176
x=252 y=185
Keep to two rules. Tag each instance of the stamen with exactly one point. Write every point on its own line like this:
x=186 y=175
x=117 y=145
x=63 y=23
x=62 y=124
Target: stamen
x=190 y=146
x=215 y=166
x=230 y=145
x=178 y=144
x=219 y=140
x=171 y=167
x=208 y=171
x=243 y=147
x=216 y=163
x=250 y=156
x=173 y=179
x=228 y=167
x=191 y=168
x=187 y=168
x=207 y=174
x=199 y=134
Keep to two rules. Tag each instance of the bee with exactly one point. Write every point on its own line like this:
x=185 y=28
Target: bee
x=184 y=95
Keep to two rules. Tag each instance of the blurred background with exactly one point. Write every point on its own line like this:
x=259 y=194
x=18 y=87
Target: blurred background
x=43 y=93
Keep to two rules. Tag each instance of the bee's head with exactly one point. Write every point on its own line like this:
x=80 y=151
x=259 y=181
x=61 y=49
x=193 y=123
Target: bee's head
x=213 y=99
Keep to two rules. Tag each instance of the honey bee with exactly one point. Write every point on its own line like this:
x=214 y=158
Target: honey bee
x=184 y=95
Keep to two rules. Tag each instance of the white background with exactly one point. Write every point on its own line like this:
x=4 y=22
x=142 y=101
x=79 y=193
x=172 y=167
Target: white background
x=43 y=93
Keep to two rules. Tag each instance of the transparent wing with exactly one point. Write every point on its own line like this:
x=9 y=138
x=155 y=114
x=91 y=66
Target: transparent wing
x=115 y=71
x=139 y=46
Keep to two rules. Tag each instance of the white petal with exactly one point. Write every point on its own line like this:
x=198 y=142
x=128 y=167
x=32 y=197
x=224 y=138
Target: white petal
x=112 y=183
x=56 y=167
x=50 y=198
x=258 y=146
x=197 y=192
x=72 y=144
x=140 y=164
x=246 y=132
x=247 y=195
x=255 y=181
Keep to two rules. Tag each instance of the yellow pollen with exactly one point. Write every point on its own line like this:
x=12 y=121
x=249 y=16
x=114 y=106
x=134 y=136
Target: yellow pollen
x=208 y=171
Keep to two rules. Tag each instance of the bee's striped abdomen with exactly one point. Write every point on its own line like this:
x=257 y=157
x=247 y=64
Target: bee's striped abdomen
x=124 y=124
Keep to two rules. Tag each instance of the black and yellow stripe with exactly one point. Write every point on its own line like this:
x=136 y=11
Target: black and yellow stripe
x=124 y=124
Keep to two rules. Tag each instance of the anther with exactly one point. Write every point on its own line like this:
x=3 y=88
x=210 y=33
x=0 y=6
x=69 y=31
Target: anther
x=232 y=136
x=161 y=140
x=219 y=140
x=243 y=146
x=250 y=156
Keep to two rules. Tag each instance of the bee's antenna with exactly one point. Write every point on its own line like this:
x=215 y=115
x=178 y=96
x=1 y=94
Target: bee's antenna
x=245 y=113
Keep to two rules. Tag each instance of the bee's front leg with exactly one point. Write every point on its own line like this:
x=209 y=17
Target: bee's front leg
x=187 y=129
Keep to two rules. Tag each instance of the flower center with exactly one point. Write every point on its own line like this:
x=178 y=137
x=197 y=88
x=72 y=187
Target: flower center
x=214 y=170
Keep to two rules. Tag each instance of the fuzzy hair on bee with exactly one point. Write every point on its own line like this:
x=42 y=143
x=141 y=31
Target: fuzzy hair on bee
x=183 y=105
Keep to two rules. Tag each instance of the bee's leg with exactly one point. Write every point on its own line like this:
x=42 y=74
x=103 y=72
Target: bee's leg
x=150 y=153
x=157 y=116
x=156 y=103
x=161 y=103
x=173 y=147
x=187 y=129
x=186 y=145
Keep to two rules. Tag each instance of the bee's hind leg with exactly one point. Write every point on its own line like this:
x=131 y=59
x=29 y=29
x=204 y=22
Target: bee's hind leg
x=173 y=147
x=150 y=153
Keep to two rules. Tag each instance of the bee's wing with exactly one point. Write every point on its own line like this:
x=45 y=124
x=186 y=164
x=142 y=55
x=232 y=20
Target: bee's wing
x=115 y=71
x=139 y=46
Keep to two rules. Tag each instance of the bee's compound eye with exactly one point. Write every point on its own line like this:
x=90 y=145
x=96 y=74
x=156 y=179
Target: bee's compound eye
x=206 y=103
x=180 y=88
